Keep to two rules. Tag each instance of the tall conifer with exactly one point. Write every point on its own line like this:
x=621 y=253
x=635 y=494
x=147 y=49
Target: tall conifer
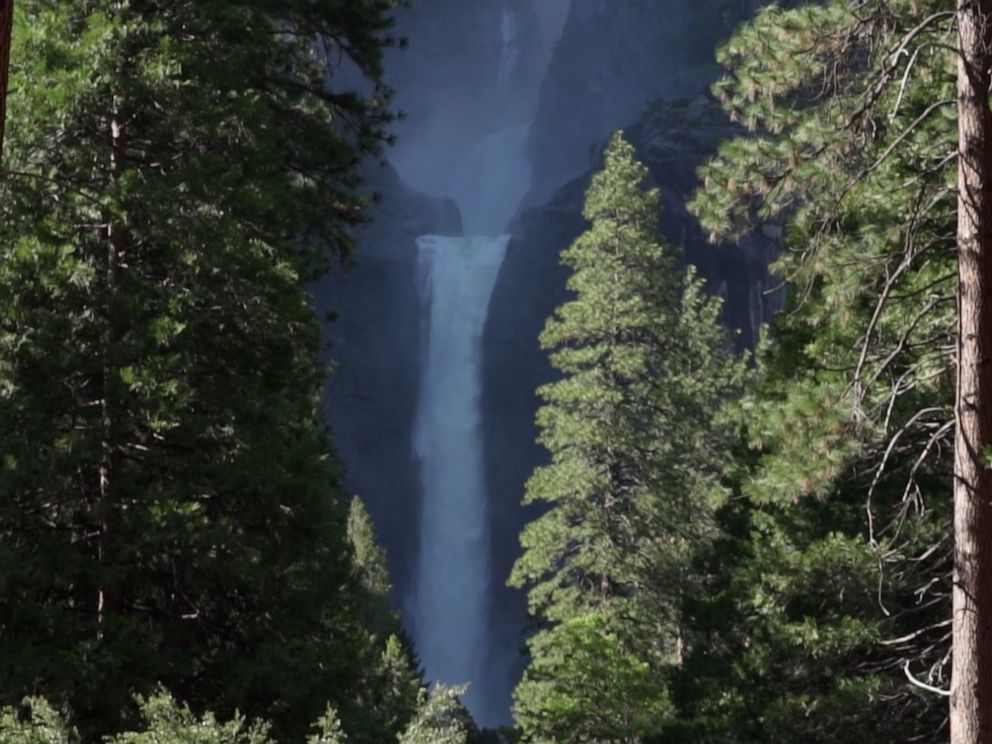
x=853 y=147
x=634 y=458
x=169 y=510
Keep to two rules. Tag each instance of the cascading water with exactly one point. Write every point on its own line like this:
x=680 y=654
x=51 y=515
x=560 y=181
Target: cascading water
x=476 y=99
x=449 y=616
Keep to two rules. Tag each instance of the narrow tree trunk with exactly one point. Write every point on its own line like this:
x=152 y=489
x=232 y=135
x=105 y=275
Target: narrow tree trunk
x=109 y=596
x=6 y=28
x=971 y=680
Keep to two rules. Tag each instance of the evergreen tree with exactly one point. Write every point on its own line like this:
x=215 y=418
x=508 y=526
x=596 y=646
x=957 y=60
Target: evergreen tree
x=635 y=454
x=399 y=685
x=164 y=721
x=441 y=718
x=971 y=667
x=371 y=571
x=35 y=723
x=583 y=685
x=169 y=511
x=329 y=730
x=391 y=683
x=827 y=617
x=167 y=722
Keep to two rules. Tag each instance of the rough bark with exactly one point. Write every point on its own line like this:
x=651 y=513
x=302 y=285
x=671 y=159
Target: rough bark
x=6 y=27
x=971 y=681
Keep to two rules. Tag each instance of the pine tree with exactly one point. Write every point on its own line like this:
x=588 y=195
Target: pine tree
x=441 y=718
x=35 y=723
x=583 y=685
x=830 y=588
x=391 y=685
x=399 y=685
x=635 y=455
x=371 y=572
x=167 y=722
x=164 y=721
x=169 y=511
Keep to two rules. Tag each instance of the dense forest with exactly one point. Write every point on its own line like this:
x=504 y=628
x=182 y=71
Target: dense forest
x=784 y=543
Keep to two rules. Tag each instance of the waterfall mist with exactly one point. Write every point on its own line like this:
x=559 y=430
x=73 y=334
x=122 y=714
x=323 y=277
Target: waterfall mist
x=469 y=86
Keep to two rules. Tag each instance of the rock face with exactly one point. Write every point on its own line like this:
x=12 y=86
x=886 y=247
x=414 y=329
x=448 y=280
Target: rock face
x=672 y=139
x=468 y=58
x=471 y=70
x=375 y=345
x=614 y=58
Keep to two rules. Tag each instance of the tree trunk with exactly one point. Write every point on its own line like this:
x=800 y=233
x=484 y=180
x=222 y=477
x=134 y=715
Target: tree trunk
x=109 y=595
x=971 y=678
x=6 y=27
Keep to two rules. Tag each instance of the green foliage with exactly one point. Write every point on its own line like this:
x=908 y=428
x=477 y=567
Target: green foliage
x=832 y=570
x=441 y=718
x=635 y=459
x=387 y=697
x=329 y=729
x=391 y=686
x=169 y=508
x=789 y=607
x=41 y=725
x=371 y=570
x=400 y=683
x=164 y=721
x=168 y=722
x=583 y=686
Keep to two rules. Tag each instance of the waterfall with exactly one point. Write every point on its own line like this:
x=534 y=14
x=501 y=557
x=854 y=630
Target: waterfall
x=449 y=616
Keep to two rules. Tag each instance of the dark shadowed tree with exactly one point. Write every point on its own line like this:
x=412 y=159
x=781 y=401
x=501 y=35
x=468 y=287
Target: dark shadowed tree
x=169 y=507
x=860 y=119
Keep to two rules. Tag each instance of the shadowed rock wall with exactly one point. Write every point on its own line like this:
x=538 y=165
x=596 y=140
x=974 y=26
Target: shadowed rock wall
x=375 y=347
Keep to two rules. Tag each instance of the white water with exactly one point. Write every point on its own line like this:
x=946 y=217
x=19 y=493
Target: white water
x=483 y=167
x=449 y=616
